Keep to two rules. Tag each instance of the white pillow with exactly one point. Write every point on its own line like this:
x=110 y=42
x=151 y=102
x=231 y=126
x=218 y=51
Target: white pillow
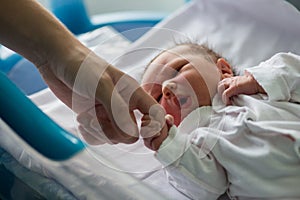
x=245 y=32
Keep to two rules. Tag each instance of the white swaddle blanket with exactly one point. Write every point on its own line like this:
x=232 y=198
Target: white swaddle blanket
x=246 y=32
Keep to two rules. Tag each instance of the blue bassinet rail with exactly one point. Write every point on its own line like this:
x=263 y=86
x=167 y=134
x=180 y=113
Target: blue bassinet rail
x=33 y=126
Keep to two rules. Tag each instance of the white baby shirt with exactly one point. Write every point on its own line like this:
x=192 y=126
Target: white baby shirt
x=250 y=149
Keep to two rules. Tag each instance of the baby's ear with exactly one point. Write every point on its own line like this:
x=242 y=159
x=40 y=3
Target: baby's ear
x=224 y=68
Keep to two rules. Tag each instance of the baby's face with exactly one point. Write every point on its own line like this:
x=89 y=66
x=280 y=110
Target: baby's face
x=181 y=81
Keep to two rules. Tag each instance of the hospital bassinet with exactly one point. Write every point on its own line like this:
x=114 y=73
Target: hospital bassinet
x=45 y=177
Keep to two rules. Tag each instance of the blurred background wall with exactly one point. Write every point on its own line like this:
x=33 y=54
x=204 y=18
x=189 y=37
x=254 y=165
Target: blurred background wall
x=105 y=6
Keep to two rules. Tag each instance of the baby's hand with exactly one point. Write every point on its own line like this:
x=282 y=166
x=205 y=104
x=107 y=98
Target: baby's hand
x=245 y=84
x=154 y=141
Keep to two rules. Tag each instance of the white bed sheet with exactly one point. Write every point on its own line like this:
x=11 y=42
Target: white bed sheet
x=246 y=32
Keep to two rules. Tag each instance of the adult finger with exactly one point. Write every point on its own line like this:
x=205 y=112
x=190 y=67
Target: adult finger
x=136 y=98
x=149 y=107
x=118 y=126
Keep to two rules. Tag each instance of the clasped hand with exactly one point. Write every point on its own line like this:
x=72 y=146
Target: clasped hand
x=230 y=87
x=104 y=98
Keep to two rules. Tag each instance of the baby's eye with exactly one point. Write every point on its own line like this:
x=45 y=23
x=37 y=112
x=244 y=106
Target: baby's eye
x=178 y=69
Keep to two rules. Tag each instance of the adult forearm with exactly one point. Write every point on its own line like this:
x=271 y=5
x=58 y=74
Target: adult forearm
x=32 y=31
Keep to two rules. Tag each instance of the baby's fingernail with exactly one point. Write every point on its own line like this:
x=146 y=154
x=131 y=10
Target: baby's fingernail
x=170 y=119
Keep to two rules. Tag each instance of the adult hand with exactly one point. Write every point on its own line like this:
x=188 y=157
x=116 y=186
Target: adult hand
x=105 y=99
x=236 y=85
x=96 y=127
x=76 y=75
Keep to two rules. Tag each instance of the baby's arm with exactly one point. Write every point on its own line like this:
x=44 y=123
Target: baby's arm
x=236 y=85
x=153 y=141
x=278 y=77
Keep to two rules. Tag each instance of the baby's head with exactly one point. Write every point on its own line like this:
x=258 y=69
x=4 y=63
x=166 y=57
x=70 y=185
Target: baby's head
x=184 y=78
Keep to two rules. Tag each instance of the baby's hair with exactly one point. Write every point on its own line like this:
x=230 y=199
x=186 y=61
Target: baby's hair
x=202 y=49
x=195 y=48
x=198 y=47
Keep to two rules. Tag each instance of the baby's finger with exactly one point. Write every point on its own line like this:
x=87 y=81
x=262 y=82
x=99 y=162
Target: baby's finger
x=149 y=107
x=150 y=130
x=222 y=90
x=227 y=94
x=146 y=119
x=154 y=143
x=226 y=98
x=222 y=86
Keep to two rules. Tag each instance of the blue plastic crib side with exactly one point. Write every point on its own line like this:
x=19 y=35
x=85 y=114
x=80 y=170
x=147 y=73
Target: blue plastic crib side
x=33 y=126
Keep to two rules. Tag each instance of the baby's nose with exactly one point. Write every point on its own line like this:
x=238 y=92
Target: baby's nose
x=168 y=89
